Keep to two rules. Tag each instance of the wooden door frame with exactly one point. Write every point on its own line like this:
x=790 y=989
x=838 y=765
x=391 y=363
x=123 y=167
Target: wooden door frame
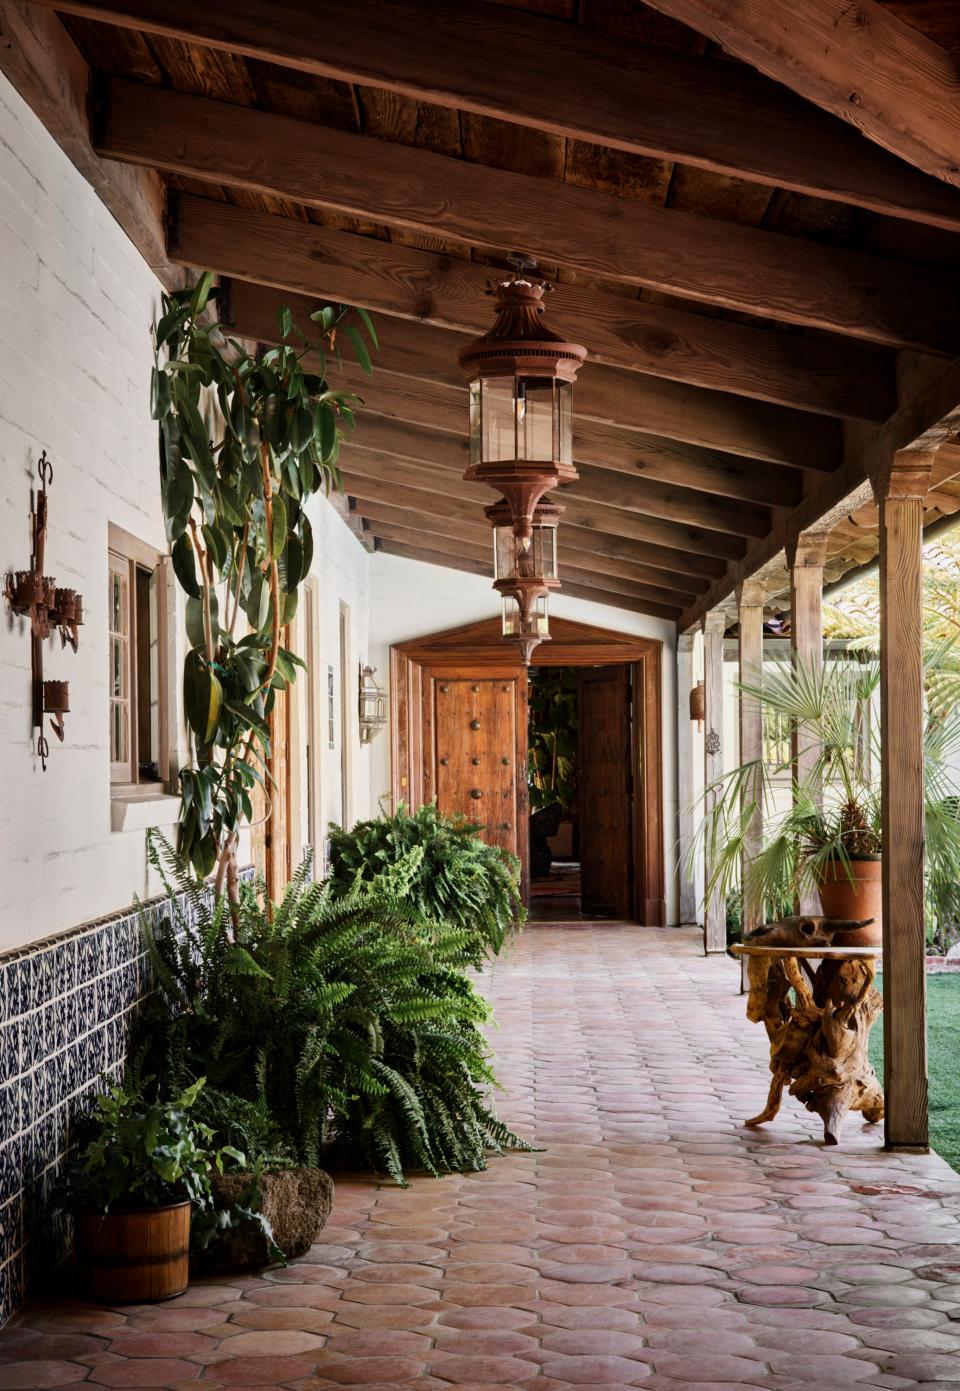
x=480 y=648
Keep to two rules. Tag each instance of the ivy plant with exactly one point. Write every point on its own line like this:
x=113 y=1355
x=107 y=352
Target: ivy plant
x=245 y=441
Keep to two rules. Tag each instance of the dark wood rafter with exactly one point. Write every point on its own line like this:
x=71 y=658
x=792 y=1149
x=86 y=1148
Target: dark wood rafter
x=582 y=566
x=928 y=420
x=390 y=406
x=718 y=355
x=419 y=492
x=521 y=68
x=896 y=85
x=466 y=541
x=414 y=284
x=446 y=517
x=430 y=555
x=597 y=234
x=737 y=376
x=418 y=444
x=585 y=511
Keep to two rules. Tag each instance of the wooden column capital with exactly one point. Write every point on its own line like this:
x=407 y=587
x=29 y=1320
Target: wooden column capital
x=806 y=550
x=685 y=641
x=751 y=594
x=714 y=622
x=905 y=475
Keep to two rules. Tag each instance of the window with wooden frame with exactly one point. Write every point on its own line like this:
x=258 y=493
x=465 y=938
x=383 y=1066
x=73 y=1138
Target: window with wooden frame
x=136 y=627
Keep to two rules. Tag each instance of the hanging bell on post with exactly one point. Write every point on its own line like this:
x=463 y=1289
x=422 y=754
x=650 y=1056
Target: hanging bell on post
x=698 y=704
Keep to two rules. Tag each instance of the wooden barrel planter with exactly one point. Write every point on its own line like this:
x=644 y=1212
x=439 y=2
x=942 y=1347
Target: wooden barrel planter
x=134 y=1257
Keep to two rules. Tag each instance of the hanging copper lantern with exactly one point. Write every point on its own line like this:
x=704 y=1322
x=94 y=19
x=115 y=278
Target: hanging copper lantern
x=524 y=572
x=698 y=704
x=521 y=418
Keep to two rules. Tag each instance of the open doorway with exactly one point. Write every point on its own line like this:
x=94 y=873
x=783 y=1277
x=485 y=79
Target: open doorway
x=459 y=733
x=580 y=756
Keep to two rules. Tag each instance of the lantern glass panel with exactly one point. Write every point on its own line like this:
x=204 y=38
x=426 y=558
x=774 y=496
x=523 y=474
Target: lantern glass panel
x=544 y=548
x=476 y=427
x=536 y=624
x=498 y=411
x=564 y=415
x=535 y=418
x=504 y=553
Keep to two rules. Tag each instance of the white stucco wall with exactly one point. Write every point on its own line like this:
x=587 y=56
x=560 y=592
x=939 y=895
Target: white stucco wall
x=409 y=599
x=76 y=306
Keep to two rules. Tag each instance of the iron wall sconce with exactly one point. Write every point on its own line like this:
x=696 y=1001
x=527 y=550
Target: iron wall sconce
x=36 y=596
x=373 y=705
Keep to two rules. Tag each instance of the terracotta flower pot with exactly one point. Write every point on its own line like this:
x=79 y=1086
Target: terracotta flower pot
x=134 y=1257
x=854 y=891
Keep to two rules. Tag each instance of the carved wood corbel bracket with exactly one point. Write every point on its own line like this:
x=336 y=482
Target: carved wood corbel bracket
x=806 y=549
x=906 y=474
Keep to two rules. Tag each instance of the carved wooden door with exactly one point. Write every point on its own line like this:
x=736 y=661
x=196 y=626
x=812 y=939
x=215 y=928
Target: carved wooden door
x=474 y=742
x=605 y=790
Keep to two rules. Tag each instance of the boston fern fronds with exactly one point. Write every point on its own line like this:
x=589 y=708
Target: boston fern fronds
x=439 y=864
x=341 y=1024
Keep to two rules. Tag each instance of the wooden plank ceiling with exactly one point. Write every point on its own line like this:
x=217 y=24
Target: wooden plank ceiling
x=757 y=282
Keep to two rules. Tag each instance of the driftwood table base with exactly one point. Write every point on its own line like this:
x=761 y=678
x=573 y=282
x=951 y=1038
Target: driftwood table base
x=818 y=1030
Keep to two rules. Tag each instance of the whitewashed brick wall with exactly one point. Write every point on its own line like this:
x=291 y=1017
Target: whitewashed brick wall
x=76 y=306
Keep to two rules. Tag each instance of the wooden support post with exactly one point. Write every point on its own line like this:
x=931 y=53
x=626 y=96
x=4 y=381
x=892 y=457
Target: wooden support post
x=805 y=556
x=900 y=491
x=750 y=599
x=686 y=811
x=714 y=908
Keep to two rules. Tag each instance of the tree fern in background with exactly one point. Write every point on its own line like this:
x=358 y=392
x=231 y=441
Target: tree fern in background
x=341 y=1027
x=455 y=882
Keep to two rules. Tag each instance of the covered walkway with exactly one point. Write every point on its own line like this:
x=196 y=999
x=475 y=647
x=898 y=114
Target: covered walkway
x=652 y=1243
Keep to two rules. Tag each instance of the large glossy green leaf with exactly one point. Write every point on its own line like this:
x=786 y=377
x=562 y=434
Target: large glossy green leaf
x=279 y=525
x=184 y=565
x=194 y=620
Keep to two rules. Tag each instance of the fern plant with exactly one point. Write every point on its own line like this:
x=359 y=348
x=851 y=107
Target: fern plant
x=466 y=890
x=343 y=1024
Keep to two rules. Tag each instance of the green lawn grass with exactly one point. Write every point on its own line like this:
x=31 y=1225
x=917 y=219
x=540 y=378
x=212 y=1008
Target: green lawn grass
x=943 y=1043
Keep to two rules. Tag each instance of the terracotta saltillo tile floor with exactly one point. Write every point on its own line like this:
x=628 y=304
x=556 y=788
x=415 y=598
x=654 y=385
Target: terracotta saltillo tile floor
x=654 y=1243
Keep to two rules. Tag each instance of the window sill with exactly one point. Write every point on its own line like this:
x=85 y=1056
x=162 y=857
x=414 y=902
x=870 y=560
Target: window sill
x=142 y=807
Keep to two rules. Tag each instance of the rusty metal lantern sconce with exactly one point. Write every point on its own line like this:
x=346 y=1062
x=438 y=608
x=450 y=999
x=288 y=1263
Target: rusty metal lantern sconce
x=521 y=444
x=698 y=705
x=373 y=705
x=36 y=596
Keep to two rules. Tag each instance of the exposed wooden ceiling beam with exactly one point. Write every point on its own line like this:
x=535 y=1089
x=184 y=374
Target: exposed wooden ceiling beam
x=597 y=234
x=928 y=420
x=656 y=340
x=423 y=496
x=465 y=545
x=418 y=284
x=690 y=541
x=49 y=72
x=565 y=80
x=447 y=517
x=451 y=560
x=389 y=404
x=859 y=61
x=402 y=440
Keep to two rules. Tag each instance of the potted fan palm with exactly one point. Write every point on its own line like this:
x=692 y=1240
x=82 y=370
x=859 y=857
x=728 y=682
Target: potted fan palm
x=822 y=830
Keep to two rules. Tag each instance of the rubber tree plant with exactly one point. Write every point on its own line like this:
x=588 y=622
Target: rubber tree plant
x=245 y=441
